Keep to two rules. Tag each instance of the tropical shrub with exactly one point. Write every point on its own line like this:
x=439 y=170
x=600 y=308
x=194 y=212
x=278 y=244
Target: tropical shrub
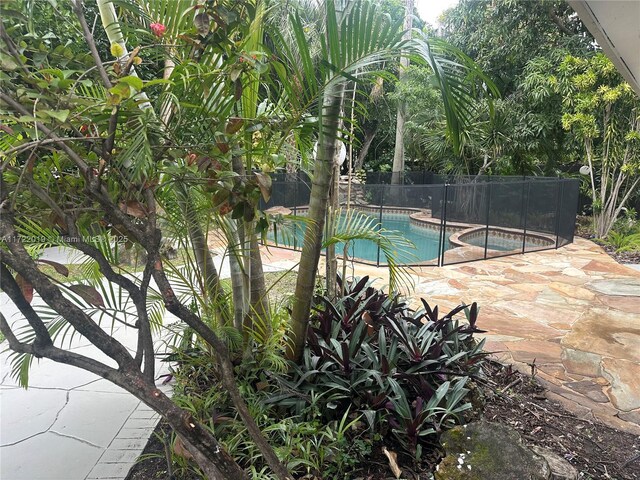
x=622 y=242
x=403 y=372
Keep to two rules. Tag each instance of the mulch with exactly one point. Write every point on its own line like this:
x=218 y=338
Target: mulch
x=622 y=257
x=597 y=451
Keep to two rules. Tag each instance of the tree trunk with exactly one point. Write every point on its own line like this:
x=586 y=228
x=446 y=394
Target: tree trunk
x=238 y=281
x=258 y=317
x=398 y=155
x=369 y=135
x=208 y=271
x=331 y=267
x=312 y=245
x=210 y=456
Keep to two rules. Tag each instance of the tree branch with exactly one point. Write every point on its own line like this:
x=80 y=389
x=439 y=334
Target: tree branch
x=14 y=292
x=20 y=261
x=54 y=353
x=12 y=49
x=78 y=8
x=45 y=141
x=80 y=163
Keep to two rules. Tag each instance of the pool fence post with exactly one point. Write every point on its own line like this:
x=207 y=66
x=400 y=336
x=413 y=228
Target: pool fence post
x=295 y=228
x=486 y=232
x=295 y=215
x=441 y=220
x=559 y=200
x=525 y=214
x=443 y=224
x=380 y=224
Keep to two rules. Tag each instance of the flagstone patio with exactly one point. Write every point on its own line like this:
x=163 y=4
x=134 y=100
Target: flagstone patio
x=573 y=312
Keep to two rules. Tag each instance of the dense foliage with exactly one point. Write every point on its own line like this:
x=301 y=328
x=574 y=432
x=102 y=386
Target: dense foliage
x=403 y=370
x=531 y=49
x=375 y=373
x=146 y=125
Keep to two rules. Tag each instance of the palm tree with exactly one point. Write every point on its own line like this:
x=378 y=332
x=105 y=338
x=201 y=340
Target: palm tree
x=356 y=40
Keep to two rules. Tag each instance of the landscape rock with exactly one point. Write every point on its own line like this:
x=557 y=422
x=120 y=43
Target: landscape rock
x=561 y=469
x=483 y=450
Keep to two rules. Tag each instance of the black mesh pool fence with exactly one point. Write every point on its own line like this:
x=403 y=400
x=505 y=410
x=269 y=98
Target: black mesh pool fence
x=449 y=219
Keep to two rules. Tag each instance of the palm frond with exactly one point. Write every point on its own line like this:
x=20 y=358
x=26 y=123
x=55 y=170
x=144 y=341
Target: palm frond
x=352 y=225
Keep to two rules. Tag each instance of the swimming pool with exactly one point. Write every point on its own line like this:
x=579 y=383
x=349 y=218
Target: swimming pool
x=483 y=219
x=424 y=236
x=426 y=240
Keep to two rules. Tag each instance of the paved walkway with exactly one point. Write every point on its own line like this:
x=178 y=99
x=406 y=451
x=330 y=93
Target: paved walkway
x=71 y=424
x=574 y=311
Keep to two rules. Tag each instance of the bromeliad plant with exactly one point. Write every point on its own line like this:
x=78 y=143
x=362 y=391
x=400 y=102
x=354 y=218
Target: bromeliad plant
x=404 y=371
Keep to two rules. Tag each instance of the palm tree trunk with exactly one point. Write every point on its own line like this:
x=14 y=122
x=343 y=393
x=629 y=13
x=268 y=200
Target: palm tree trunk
x=398 y=155
x=208 y=271
x=331 y=267
x=237 y=272
x=312 y=245
x=259 y=310
x=112 y=28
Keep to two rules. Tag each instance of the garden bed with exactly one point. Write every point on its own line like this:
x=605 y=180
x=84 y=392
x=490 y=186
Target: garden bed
x=513 y=399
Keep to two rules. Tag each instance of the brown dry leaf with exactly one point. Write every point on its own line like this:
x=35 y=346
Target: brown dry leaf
x=134 y=208
x=60 y=268
x=264 y=184
x=180 y=449
x=393 y=461
x=233 y=125
x=88 y=294
x=25 y=287
x=262 y=385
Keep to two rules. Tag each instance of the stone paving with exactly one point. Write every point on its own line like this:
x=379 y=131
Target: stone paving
x=69 y=424
x=574 y=311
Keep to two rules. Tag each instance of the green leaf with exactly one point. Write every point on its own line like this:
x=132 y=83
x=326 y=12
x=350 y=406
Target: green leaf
x=60 y=115
x=121 y=90
x=133 y=82
x=157 y=81
x=56 y=72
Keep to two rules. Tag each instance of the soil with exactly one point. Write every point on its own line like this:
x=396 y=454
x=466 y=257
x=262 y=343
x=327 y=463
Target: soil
x=622 y=257
x=510 y=398
x=595 y=450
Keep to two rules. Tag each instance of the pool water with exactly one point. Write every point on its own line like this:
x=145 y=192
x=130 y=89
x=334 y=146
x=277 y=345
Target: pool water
x=501 y=244
x=426 y=241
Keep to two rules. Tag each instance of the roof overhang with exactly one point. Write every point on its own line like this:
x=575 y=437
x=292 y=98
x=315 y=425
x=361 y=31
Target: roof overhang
x=615 y=24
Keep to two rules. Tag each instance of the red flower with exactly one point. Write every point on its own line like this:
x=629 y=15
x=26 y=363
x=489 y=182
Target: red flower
x=158 y=29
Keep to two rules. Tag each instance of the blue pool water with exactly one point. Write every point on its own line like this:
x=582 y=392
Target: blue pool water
x=426 y=241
